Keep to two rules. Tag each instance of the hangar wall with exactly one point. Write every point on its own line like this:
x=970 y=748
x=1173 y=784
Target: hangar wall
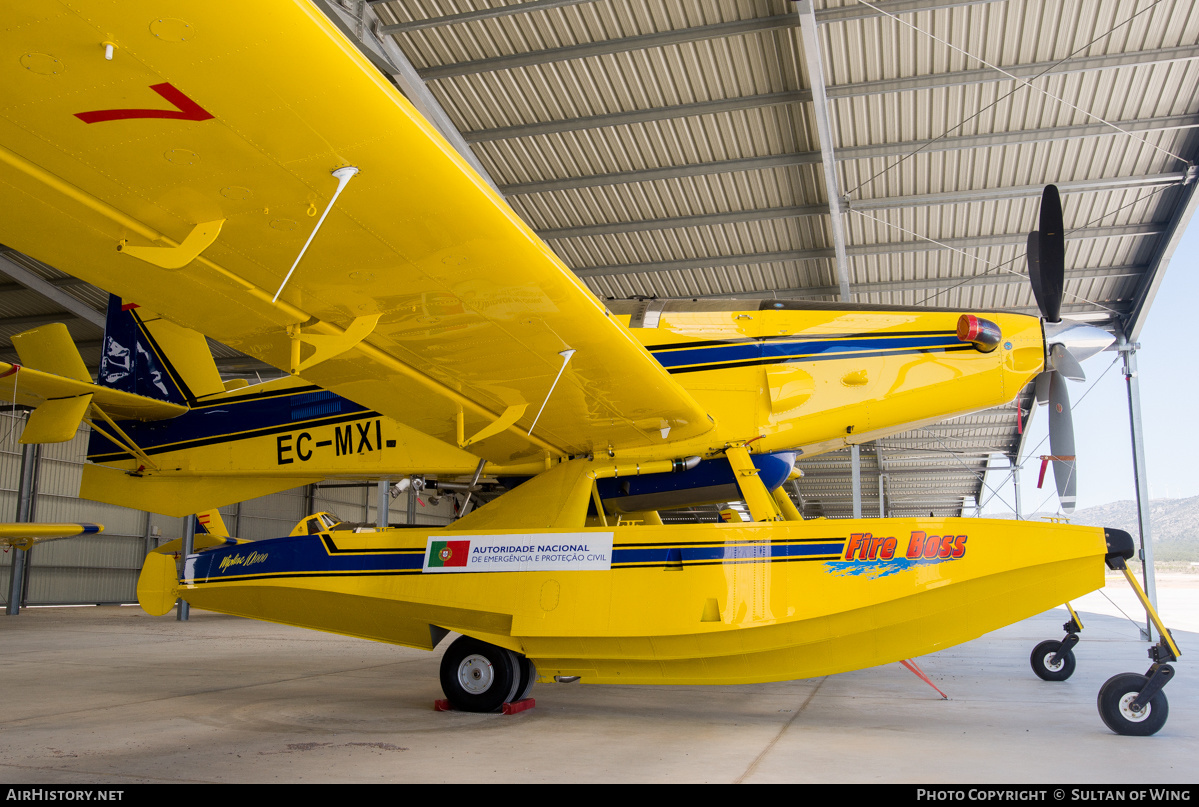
x=103 y=569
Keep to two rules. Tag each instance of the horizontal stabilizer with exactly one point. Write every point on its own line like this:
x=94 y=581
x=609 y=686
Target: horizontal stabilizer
x=158 y=584
x=33 y=388
x=56 y=421
x=51 y=349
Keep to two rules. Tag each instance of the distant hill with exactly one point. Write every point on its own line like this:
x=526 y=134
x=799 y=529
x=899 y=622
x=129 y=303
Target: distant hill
x=1174 y=524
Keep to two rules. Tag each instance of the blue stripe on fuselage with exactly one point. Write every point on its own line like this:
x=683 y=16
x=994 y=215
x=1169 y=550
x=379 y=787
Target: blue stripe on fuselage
x=309 y=555
x=252 y=415
x=798 y=349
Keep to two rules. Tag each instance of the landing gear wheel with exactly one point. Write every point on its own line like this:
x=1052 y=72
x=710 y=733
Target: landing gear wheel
x=1115 y=706
x=528 y=675
x=478 y=677
x=1042 y=661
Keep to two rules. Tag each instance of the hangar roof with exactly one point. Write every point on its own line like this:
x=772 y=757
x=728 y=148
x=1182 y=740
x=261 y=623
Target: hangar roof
x=681 y=149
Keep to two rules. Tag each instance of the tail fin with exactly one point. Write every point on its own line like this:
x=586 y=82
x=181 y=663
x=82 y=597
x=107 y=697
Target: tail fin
x=147 y=355
x=211 y=523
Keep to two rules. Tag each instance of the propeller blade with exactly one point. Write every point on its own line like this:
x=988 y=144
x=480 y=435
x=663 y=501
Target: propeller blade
x=1042 y=387
x=1047 y=256
x=1033 y=256
x=1061 y=441
x=1062 y=360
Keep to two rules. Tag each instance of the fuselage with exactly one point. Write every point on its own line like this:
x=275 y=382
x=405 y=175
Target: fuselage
x=805 y=378
x=782 y=377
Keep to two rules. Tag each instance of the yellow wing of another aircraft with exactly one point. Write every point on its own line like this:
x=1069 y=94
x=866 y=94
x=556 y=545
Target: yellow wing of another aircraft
x=23 y=536
x=191 y=169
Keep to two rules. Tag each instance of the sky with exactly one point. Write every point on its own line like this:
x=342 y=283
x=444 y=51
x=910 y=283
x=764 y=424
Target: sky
x=1167 y=365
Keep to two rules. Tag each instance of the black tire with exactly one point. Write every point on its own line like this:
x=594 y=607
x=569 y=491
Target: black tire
x=528 y=676
x=477 y=676
x=1115 y=696
x=1041 y=661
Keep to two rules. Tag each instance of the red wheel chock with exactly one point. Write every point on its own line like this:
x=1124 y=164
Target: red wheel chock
x=443 y=705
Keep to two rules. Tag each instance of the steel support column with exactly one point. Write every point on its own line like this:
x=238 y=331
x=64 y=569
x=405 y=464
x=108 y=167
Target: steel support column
x=383 y=504
x=1129 y=352
x=882 y=475
x=189 y=546
x=26 y=498
x=148 y=534
x=856 y=468
x=1016 y=486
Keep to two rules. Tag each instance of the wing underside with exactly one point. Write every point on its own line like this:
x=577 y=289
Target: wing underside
x=422 y=296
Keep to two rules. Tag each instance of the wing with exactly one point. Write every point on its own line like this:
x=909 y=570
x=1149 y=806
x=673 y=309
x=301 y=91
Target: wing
x=24 y=536
x=422 y=296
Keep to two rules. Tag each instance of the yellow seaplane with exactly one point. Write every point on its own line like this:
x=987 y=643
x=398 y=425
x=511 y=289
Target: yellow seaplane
x=284 y=199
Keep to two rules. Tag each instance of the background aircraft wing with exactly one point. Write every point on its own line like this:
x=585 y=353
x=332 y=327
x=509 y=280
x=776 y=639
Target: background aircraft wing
x=26 y=535
x=205 y=151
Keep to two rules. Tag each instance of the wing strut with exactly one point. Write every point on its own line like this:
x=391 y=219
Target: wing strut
x=343 y=175
x=125 y=443
x=565 y=354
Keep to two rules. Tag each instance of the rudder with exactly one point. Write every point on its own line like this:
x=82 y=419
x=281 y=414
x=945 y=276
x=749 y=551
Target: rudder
x=146 y=355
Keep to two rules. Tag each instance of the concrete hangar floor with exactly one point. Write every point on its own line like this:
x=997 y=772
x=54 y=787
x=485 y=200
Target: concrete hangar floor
x=111 y=696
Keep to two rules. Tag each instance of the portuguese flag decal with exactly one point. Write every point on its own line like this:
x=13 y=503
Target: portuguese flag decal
x=444 y=554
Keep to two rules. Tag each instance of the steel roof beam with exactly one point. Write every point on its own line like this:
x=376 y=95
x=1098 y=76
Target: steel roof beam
x=473 y=16
x=36 y=320
x=666 y=172
x=672 y=172
x=706 y=220
x=50 y=291
x=904 y=453
x=824 y=15
x=609 y=47
x=835 y=91
x=1006 y=239
x=639 y=116
x=1028 y=72
x=57 y=282
x=975 y=242
x=676 y=37
x=904 y=476
x=1092 y=273
x=994 y=194
x=1018 y=137
x=803 y=211
x=1181 y=216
